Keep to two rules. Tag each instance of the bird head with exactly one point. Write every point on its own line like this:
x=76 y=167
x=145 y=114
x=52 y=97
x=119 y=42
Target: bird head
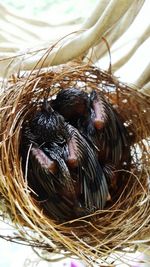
x=46 y=126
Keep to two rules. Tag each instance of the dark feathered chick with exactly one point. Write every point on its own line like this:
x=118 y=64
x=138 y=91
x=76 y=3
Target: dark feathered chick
x=62 y=168
x=96 y=120
x=99 y=124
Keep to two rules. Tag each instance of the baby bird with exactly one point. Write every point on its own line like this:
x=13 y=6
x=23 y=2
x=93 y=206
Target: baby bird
x=61 y=167
x=96 y=120
x=99 y=123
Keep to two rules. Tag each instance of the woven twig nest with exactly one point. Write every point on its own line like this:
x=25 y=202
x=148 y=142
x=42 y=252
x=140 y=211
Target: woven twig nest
x=95 y=236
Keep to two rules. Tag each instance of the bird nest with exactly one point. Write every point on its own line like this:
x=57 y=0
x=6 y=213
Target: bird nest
x=125 y=219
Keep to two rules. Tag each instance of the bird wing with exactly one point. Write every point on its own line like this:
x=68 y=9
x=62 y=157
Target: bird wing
x=91 y=175
x=65 y=179
x=115 y=136
x=111 y=138
x=43 y=169
x=43 y=180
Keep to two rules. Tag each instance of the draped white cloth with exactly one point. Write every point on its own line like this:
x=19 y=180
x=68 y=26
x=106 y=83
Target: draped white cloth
x=123 y=26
